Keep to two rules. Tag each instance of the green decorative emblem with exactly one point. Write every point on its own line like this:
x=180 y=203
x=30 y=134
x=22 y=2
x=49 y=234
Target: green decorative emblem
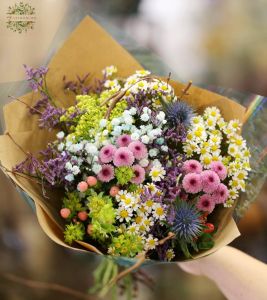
x=20 y=17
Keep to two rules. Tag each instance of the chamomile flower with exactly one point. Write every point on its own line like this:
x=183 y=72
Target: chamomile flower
x=139 y=219
x=206 y=159
x=215 y=139
x=133 y=228
x=210 y=123
x=170 y=255
x=233 y=150
x=199 y=133
x=152 y=187
x=229 y=203
x=235 y=125
x=148 y=222
x=221 y=123
x=157 y=173
x=109 y=71
x=149 y=205
x=233 y=193
x=151 y=242
x=241 y=175
x=124 y=214
x=197 y=120
x=142 y=73
x=158 y=211
x=212 y=112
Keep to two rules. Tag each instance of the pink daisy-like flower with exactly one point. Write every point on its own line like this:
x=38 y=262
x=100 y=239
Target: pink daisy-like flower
x=106 y=174
x=138 y=149
x=221 y=194
x=106 y=153
x=192 y=183
x=123 y=157
x=210 y=181
x=123 y=140
x=139 y=174
x=205 y=203
x=192 y=166
x=219 y=168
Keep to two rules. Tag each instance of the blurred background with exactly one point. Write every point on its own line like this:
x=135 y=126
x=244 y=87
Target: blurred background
x=212 y=42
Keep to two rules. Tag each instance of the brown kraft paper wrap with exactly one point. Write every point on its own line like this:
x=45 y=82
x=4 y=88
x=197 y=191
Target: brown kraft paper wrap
x=90 y=49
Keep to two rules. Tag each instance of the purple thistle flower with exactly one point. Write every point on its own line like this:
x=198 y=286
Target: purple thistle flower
x=186 y=224
x=178 y=113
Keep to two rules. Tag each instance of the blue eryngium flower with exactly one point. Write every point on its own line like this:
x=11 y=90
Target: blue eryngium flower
x=186 y=224
x=178 y=113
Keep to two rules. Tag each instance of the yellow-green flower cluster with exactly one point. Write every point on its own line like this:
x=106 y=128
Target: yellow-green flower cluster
x=74 y=232
x=124 y=174
x=126 y=244
x=87 y=123
x=211 y=138
x=102 y=214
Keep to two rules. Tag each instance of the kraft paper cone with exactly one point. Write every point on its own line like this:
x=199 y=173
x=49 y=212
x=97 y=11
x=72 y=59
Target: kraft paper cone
x=89 y=49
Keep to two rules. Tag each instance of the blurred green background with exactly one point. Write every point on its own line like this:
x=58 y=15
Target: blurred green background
x=220 y=43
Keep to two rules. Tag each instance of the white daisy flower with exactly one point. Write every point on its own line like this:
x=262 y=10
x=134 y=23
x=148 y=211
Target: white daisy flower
x=170 y=255
x=158 y=211
x=124 y=214
x=151 y=242
x=157 y=173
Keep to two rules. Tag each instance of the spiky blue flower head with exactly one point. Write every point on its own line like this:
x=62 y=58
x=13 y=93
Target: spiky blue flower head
x=178 y=113
x=186 y=224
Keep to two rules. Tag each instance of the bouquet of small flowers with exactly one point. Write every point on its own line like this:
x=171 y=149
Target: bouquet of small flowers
x=135 y=169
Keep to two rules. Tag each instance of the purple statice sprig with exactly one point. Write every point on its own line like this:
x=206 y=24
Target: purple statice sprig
x=36 y=77
x=50 y=117
x=48 y=166
x=81 y=86
x=37 y=81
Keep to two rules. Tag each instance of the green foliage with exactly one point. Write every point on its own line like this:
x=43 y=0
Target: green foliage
x=73 y=202
x=124 y=174
x=126 y=244
x=74 y=232
x=205 y=242
x=132 y=188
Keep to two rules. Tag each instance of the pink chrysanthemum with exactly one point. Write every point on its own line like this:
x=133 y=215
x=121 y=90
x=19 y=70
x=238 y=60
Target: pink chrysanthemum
x=210 y=181
x=106 y=153
x=205 y=203
x=192 y=166
x=138 y=149
x=139 y=174
x=221 y=194
x=219 y=168
x=106 y=174
x=192 y=183
x=123 y=157
x=123 y=140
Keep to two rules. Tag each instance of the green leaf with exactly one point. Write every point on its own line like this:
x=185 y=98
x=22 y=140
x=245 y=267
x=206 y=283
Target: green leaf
x=185 y=249
x=205 y=242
